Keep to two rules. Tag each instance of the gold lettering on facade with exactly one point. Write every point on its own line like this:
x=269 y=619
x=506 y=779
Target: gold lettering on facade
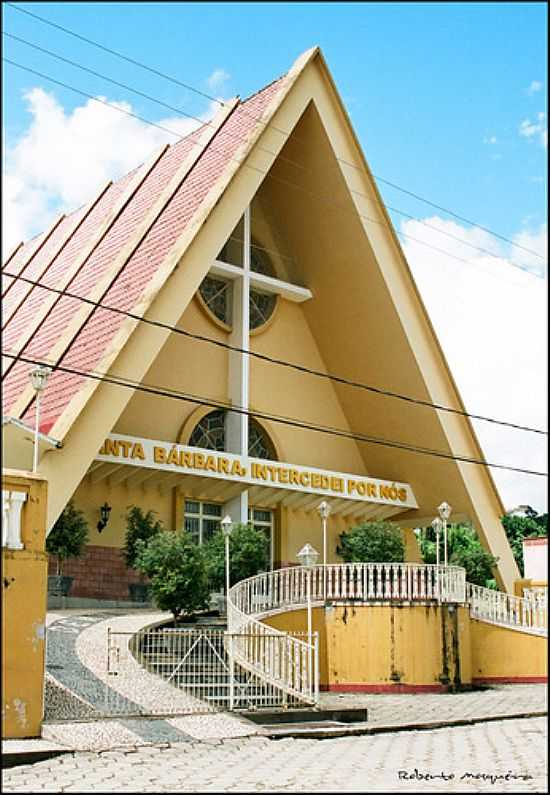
x=402 y=494
x=304 y=478
x=211 y=465
x=198 y=461
x=223 y=465
x=159 y=454
x=283 y=476
x=137 y=451
x=351 y=486
x=371 y=490
x=173 y=457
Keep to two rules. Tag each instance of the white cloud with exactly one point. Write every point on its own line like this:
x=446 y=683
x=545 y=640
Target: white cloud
x=535 y=86
x=217 y=79
x=536 y=130
x=62 y=158
x=491 y=140
x=491 y=321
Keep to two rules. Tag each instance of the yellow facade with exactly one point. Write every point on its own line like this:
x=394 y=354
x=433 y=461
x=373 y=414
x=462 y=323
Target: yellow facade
x=396 y=647
x=418 y=648
x=24 y=583
x=505 y=655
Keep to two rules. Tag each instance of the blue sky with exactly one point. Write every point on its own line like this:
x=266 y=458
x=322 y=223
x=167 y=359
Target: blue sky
x=426 y=84
x=448 y=101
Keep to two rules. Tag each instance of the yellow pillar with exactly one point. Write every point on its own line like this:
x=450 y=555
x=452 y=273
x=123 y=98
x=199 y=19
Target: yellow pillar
x=24 y=595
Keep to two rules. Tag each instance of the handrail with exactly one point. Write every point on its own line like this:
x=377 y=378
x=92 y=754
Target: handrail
x=295 y=670
x=518 y=612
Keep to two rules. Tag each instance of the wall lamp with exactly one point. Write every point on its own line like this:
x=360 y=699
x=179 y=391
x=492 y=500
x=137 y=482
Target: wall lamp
x=104 y=512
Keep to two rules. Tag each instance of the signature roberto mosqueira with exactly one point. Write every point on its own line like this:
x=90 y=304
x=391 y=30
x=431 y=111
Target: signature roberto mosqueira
x=493 y=778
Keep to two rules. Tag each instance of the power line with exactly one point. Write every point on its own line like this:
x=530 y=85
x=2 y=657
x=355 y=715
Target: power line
x=292 y=185
x=205 y=401
x=270 y=359
x=220 y=102
x=294 y=163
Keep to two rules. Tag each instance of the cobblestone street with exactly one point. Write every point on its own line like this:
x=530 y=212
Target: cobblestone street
x=392 y=762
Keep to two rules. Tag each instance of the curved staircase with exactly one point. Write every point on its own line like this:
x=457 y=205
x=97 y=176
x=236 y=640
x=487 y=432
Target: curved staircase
x=288 y=662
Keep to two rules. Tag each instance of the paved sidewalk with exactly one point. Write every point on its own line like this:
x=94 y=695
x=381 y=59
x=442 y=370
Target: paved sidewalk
x=76 y=660
x=509 y=756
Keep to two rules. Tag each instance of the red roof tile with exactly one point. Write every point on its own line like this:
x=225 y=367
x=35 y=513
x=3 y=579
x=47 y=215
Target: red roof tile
x=96 y=329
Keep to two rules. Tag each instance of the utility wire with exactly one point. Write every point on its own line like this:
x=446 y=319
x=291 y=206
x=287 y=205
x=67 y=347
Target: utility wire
x=220 y=102
x=271 y=359
x=204 y=401
x=282 y=181
x=294 y=163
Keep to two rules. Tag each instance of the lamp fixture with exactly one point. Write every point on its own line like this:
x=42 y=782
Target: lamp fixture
x=104 y=512
x=39 y=377
x=308 y=556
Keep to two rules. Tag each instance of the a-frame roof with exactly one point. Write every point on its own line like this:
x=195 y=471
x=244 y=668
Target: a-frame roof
x=134 y=246
x=114 y=250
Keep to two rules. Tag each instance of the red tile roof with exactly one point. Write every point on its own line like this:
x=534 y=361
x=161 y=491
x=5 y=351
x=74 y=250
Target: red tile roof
x=38 y=319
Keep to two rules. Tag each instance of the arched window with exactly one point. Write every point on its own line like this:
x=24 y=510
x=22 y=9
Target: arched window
x=209 y=434
x=217 y=293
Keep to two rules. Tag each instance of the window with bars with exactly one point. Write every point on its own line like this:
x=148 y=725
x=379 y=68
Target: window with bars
x=202 y=519
x=262 y=519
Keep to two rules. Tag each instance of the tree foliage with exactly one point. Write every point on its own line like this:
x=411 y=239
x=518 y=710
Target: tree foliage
x=176 y=567
x=68 y=536
x=519 y=527
x=463 y=549
x=372 y=542
x=140 y=526
x=248 y=555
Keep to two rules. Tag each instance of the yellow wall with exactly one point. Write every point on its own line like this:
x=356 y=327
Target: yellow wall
x=24 y=586
x=379 y=647
x=499 y=653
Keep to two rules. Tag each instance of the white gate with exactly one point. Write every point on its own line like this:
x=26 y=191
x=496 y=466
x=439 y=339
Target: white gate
x=191 y=671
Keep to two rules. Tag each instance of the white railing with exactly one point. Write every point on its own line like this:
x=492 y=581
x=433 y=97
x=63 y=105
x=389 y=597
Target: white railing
x=281 y=660
x=380 y=582
x=496 y=607
x=290 y=663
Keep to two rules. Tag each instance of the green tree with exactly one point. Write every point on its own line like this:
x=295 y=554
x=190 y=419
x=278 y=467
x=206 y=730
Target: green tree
x=463 y=549
x=139 y=527
x=519 y=527
x=248 y=555
x=372 y=542
x=175 y=565
x=68 y=536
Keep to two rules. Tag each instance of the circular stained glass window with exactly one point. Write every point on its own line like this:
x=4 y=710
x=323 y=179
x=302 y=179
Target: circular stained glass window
x=209 y=434
x=217 y=293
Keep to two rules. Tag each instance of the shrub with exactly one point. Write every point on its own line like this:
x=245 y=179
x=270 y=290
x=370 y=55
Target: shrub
x=248 y=555
x=176 y=568
x=463 y=549
x=68 y=536
x=372 y=542
x=519 y=527
x=139 y=527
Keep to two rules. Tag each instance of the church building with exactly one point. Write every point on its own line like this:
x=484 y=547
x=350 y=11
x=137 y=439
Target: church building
x=223 y=326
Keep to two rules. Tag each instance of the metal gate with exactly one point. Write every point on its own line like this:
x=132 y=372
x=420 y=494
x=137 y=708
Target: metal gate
x=191 y=671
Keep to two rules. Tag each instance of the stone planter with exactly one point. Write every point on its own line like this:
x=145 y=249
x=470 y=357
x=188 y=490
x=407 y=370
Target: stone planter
x=58 y=585
x=139 y=592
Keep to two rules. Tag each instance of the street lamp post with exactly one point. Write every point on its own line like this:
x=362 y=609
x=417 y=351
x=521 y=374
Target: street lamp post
x=307 y=557
x=444 y=511
x=324 y=512
x=39 y=379
x=227 y=526
x=437 y=525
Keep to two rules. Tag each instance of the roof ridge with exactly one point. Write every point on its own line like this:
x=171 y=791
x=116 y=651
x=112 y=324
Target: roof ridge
x=263 y=88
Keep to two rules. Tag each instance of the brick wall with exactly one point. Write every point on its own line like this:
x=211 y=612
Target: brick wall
x=99 y=574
